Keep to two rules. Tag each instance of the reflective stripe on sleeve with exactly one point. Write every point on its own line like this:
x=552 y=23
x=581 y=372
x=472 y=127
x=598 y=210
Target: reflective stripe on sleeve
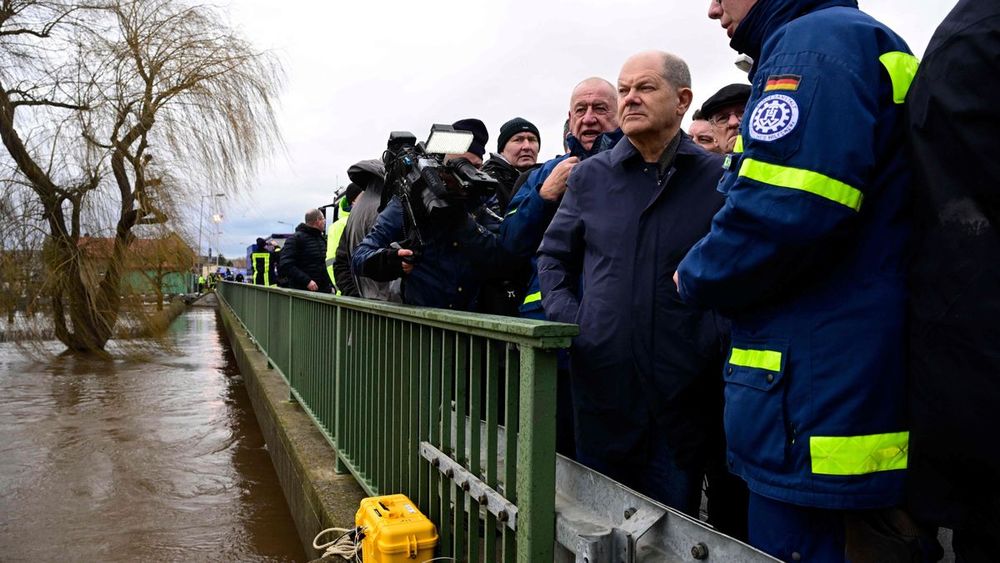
x=531 y=298
x=738 y=147
x=761 y=359
x=902 y=67
x=801 y=179
x=859 y=455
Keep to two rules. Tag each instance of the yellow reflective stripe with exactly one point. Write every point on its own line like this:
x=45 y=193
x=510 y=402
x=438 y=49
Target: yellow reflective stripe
x=267 y=265
x=859 y=455
x=511 y=212
x=536 y=296
x=902 y=67
x=738 y=147
x=801 y=179
x=762 y=359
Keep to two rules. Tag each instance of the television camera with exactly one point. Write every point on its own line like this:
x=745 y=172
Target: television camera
x=433 y=190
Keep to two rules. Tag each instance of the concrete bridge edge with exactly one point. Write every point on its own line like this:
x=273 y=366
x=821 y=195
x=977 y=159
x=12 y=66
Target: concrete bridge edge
x=317 y=497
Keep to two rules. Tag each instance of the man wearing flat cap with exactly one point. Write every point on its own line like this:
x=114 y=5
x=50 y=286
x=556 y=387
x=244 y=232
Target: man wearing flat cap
x=724 y=110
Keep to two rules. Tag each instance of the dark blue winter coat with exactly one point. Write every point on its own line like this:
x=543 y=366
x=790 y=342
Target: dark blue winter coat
x=645 y=365
x=806 y=258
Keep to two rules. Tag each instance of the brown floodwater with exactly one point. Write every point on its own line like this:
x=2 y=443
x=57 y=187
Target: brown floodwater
x=128 y=460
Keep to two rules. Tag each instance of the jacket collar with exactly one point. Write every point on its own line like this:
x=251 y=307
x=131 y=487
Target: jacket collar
x=603 y=142
x=303 y=228
x=625 y=150
x=767 y=16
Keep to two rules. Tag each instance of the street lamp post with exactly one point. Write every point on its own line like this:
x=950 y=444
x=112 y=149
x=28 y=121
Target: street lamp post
x=201 y=218
x=217 y=219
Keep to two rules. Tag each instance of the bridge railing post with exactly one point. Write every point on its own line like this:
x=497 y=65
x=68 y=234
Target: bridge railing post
x=536 y=459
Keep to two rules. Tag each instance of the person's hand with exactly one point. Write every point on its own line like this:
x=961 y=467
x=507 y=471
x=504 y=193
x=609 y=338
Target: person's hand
x=555 y=185
x=405 y=253
x=312 y=286
x=677 y=281
x=730 y=144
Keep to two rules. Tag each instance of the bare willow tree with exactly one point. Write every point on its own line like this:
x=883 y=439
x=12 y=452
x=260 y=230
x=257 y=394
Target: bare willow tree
x=115 y=115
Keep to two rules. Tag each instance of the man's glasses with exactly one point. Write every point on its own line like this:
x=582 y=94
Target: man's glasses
x=721 y=119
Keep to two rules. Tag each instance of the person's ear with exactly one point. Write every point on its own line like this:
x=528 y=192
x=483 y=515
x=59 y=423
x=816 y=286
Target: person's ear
x=684 y=97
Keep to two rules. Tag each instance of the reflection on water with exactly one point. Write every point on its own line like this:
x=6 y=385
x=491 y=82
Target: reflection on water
x=159 y=460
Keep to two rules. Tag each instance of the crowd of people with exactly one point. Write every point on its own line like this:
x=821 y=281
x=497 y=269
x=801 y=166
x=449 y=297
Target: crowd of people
x=792 y=304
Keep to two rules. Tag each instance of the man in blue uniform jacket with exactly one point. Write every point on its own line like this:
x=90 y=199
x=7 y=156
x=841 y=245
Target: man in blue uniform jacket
x=806 y=258
x=644 y=369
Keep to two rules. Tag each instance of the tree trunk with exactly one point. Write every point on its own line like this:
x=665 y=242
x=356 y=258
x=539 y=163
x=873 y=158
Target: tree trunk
x=84 y=316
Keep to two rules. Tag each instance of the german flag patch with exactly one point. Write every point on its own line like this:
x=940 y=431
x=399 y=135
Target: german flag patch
x=786 y=82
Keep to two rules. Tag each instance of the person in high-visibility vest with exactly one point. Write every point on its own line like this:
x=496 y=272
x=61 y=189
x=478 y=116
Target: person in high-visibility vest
x=262 y=264
x=337 y=229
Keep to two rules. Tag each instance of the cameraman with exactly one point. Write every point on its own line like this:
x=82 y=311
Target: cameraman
x=459 y=252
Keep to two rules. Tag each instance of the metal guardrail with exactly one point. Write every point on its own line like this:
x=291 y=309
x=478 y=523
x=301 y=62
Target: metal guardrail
x=418 y=401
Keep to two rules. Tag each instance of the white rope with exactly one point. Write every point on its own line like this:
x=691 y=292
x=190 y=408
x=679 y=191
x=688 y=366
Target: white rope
x=343 y=546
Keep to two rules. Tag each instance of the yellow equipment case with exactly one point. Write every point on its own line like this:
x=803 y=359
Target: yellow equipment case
x=395 y=531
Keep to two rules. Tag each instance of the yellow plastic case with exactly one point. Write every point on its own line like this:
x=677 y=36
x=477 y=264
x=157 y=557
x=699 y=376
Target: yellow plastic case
x=395 y=531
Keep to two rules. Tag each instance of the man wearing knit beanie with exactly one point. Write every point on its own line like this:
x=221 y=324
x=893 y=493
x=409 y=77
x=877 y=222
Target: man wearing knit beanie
x=517 y=152
x=519 y=143
x=479 y=138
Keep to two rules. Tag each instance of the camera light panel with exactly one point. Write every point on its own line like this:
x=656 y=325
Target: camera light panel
x=448 y=141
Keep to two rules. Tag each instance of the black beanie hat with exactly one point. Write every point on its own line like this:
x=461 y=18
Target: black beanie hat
x=513 y=127
x=479 y=134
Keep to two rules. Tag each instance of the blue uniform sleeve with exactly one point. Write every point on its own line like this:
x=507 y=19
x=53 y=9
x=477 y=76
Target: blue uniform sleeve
x=528 y=214
x=796 y=190
x=388 y=228
x=560 y=259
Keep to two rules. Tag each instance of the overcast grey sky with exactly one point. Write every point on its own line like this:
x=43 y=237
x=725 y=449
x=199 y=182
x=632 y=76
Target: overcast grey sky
x=359 y=69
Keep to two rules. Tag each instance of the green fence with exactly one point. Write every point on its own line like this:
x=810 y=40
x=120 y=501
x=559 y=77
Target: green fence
x=428 y=403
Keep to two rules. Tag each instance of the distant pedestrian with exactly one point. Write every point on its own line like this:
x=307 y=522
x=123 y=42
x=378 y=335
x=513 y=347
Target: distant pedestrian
x=263 y=264
x=303 y=256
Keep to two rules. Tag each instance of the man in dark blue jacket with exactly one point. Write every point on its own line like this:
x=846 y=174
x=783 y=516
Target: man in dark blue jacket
x=593 y=128
x=645 y=366
x=806 y=258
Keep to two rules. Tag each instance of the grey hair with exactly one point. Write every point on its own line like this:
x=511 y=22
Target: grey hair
x=675 y=71
x=313 y=215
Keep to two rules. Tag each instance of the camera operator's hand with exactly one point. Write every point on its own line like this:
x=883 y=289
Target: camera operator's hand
x=387 y=264
x=555 y=185
x=403 y=254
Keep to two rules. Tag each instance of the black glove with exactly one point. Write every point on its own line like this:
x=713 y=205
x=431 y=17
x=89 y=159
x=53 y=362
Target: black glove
x=386 y=265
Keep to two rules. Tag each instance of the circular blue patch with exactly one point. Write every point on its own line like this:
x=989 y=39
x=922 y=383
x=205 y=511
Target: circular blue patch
x=774 y=117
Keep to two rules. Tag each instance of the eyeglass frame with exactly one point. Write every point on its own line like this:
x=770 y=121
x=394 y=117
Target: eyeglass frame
x=722 y=118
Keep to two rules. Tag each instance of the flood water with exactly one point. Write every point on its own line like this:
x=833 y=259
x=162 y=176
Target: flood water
x=127 y=460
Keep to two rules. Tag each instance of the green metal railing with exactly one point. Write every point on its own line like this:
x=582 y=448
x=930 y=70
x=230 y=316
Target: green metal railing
x=428 y=403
